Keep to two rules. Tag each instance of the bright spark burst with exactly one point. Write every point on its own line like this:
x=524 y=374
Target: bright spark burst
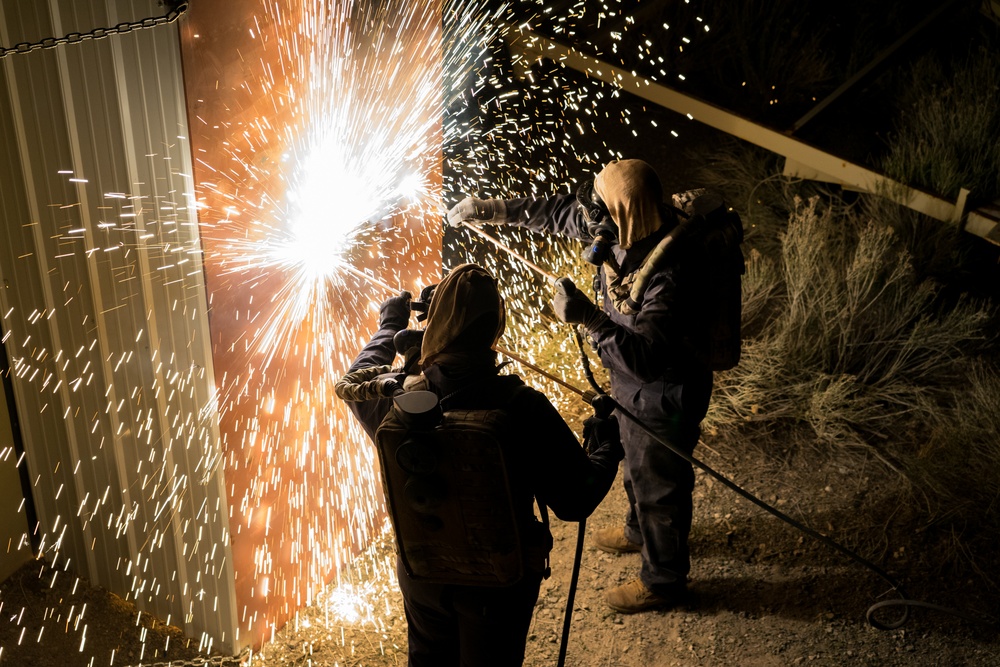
x=349 y=603
x=354 y=193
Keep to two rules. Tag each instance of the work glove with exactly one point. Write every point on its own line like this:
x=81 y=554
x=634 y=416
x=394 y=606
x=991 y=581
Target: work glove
x=573 y=307
x=603 y=432
x=478 y=212
x=395 y=312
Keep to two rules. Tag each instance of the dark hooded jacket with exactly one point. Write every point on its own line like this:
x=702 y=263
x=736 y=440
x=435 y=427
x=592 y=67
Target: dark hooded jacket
x=544 y=457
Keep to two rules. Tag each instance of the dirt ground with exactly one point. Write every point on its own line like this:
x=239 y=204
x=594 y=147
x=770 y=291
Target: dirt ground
x=761 y=595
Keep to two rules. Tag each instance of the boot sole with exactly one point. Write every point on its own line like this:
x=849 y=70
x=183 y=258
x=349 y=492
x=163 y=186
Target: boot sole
x=636 y=610
x=614 y=550
x=664 y=605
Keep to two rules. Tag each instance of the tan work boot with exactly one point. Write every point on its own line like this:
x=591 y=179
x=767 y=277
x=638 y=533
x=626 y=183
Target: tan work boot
x=613 y=541
x=633 y=597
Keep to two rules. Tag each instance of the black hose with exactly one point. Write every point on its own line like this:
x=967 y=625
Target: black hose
x=585 y=360
x=571 y=596
x=602 y=409
x=903 y=601
x=757 y=501
x=790 y=521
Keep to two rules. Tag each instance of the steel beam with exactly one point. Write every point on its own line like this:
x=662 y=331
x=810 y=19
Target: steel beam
x=801 y=159
x=985 y=222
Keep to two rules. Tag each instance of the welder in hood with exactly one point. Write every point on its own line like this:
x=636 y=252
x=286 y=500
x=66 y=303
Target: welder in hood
x=453 y=624
x=622 y=217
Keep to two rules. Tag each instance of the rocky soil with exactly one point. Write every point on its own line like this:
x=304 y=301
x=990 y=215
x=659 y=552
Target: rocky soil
x=762 y=594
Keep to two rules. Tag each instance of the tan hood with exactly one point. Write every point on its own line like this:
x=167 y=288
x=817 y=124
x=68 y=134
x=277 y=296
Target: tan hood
x=467 y=294
x=632 y=192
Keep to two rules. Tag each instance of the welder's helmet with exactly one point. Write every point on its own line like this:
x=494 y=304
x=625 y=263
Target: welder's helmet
x=466 y=315
x=632 y=193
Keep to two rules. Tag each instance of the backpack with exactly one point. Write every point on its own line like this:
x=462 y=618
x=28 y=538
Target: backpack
x=714 y=266
x=704 y=246
x=708 y=251
x=448 y=492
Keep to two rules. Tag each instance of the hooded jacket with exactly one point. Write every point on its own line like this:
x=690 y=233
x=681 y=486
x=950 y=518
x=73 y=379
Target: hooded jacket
x=544 y=457
x=644 y=352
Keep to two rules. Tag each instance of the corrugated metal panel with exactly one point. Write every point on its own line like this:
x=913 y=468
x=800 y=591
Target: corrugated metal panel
x=107 y=314
x=15 y=544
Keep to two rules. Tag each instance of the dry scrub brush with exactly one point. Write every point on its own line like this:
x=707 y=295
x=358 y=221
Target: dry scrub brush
x=946 y=135
x=848 y=344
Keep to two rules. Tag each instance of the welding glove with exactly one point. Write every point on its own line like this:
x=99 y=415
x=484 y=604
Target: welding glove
x=478 y=212
x=395 y=312
x=573 y=307
x=598 y=433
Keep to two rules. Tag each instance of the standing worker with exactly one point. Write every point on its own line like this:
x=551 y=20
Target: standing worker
x=453 y=618
x=649 y=348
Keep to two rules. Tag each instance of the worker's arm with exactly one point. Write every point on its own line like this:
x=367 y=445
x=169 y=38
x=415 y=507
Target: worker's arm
x=380 y=351
x=563 y=476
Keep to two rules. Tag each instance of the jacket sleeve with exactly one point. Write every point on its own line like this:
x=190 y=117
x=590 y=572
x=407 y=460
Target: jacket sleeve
x=564 y=478
x=650 y=348
x=559 y=215
x=380 y=351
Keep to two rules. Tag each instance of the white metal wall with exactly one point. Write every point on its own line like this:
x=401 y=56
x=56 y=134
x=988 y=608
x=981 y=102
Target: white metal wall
x=15 y=543
x=105 y=315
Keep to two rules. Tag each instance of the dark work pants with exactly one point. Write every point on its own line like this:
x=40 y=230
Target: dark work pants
x=465 y=626
x=659 y=484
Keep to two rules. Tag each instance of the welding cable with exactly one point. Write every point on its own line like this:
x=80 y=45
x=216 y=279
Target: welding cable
x=602 y=410
x=571 y=595
x=904 y=599
x=589 y=396
x=585 y=361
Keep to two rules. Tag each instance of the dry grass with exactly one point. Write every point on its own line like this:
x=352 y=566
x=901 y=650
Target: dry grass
x=946 y=134
x=851 y=350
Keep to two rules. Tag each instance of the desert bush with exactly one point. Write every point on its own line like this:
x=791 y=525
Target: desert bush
x=946 y=133
x=751 y=181
x=850 y=346
x=849 y=305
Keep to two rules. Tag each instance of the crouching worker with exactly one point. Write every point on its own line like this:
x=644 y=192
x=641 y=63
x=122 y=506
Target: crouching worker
x=465 y=454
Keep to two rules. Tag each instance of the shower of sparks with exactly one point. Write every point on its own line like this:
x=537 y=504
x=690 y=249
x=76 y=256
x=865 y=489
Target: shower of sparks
x=328 y=182
x=317 y=153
